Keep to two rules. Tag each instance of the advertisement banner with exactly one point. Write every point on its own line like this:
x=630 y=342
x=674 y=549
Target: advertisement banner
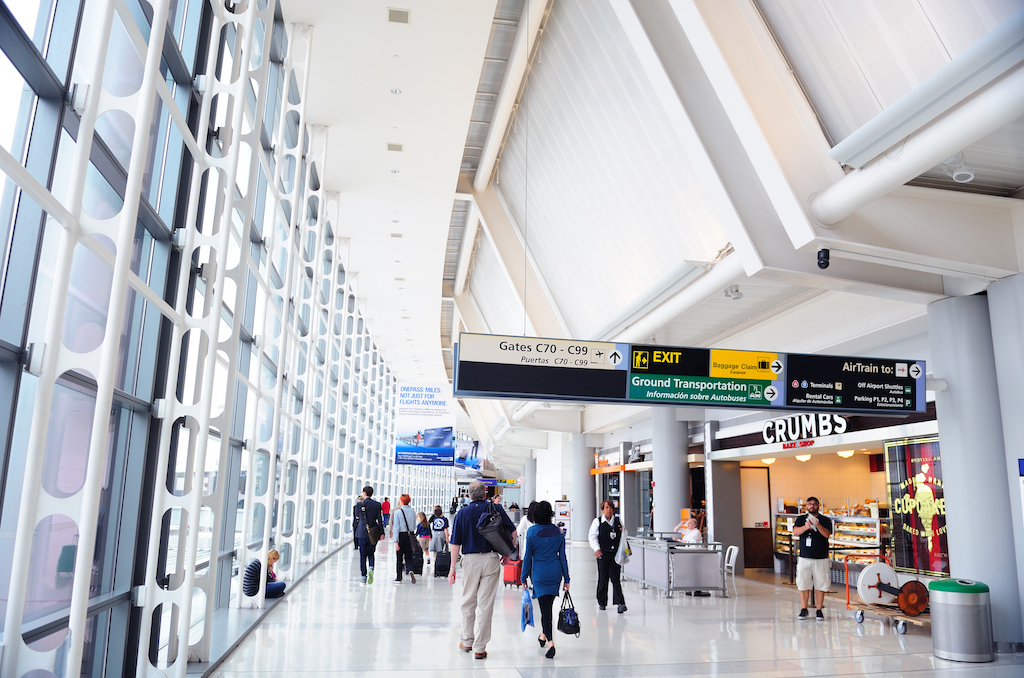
x=917 y=507
x=424 y=425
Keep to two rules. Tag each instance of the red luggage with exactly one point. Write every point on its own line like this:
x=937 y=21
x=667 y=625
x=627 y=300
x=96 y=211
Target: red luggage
x=513 y=573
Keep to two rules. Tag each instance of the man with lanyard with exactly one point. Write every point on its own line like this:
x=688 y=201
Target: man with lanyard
x=369 y=517
x=606 y=533
x=481 y=569
x=812 y=569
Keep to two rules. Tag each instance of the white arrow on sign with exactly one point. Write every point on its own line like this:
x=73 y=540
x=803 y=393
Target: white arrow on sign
x=776 y=366
x=915 y=371
x=615 y=357
x=771 y=393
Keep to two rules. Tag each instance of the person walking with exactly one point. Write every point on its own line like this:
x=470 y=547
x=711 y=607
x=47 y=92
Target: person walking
x=403 y=531
x=454 y=507
x=544 y=564
x=423 y=534
x=481 y=570
x=355 y=521
x=605 y=537
x=385 y=509
x=525 y=523
x=369 y=519
x=438 y=531
x=812 y=567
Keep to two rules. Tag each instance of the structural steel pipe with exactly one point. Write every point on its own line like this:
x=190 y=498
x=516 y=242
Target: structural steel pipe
x=990 y=109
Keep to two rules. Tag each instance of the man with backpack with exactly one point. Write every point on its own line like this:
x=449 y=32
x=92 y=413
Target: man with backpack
x=369 y=530
x=606 y=535
x=481 y=568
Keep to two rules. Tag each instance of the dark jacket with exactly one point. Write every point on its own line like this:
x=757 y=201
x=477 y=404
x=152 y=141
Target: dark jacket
x=369 y=516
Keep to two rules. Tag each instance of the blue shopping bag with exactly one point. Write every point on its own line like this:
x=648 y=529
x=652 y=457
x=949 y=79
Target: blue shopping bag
x=527 y=608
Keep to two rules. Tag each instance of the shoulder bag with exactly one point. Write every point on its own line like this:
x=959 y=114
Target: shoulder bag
x=374 y=532
x=492 y=528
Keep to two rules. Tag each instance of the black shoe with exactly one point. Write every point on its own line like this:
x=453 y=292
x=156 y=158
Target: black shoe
x=602 y=607
x=803 y=614
x=689 y=593
x=702 y=594
x=541 y=641
x=819 y=616
x=550 y=654
x=622 y=608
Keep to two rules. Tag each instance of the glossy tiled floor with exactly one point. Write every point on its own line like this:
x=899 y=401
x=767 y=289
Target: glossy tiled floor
x=331 y=625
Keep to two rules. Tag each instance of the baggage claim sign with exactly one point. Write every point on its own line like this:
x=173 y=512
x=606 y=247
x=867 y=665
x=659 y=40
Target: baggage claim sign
x=491 y=366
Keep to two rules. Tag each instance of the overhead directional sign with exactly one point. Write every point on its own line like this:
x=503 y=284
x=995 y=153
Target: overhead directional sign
x=529 y=366
x=561 y=369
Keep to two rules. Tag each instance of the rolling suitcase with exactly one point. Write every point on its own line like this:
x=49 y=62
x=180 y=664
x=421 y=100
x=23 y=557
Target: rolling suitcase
x=513 y=573
x=416 y=563
x=442 y=563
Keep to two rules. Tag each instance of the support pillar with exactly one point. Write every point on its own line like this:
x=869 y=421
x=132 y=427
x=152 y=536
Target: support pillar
x=584 y=488
x=529 y=482
x=724 y=496
x=977 y=497
x=1006 y=310
x=671 y=473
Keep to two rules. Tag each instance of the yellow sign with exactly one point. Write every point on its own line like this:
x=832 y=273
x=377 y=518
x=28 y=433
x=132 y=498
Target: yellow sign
x=745 y=365
x=640 y=360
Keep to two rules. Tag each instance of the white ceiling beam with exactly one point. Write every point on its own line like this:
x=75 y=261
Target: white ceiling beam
x=519 y=265
x=723 y=274
x=523 y=45
x=466 y=251
x=687 y=134
x=981 y=63
x=985 y=112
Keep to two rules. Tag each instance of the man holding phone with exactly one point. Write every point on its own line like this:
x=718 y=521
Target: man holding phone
x=812 y=531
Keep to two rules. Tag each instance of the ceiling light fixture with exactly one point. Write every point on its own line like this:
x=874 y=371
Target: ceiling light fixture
x=957 y=168
x=803 y=457
x=769 y=460
x=733 y=292
x=394 y=171
x=395 y=90
x=845 y=454
x=396 y=235
x=395 y=147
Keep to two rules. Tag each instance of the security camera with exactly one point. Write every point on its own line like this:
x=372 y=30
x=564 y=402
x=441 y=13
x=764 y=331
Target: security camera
x=822 y=258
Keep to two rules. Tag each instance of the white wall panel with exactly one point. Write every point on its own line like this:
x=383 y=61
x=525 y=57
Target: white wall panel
x=493 y=292
x=594 y=175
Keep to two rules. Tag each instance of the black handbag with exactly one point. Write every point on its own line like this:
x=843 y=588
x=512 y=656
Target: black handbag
x=568 y=620
x=492 y=528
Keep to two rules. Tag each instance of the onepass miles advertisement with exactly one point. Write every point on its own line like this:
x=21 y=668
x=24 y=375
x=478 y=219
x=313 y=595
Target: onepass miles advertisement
x=424 y=424
x=917 y=507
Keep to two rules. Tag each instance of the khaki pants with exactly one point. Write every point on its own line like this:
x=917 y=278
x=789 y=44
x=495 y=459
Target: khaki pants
x=481 y=573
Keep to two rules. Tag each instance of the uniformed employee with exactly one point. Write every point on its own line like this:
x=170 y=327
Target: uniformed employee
x=606 y=534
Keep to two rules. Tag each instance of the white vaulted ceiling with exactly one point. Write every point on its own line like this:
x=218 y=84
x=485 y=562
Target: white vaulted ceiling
x=358 y=58
x=595 y=175
x=855 y=59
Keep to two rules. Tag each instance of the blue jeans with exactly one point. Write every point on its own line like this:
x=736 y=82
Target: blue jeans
x=386 y=517
x=365 y=553
x=275 y=589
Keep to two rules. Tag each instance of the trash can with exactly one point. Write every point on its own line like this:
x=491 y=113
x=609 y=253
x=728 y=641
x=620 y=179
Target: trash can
x=961 y=620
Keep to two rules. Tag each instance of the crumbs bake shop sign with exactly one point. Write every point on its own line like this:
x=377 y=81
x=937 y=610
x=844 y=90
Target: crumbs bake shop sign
x=802 y=428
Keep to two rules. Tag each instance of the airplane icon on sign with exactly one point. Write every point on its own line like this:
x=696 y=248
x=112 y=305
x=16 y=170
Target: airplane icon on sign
x=599 y=353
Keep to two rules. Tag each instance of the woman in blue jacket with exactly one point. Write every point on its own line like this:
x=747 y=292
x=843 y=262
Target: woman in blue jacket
x=545 y=565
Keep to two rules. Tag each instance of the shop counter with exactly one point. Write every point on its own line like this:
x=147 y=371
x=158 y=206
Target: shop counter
x=675 y=566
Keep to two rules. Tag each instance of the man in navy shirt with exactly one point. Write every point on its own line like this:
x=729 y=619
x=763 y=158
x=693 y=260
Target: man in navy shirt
x=481 y=570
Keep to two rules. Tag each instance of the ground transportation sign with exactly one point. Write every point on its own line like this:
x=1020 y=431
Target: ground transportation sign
x=492 y=366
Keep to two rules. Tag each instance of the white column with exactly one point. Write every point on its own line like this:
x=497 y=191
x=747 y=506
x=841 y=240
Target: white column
x=584 y=487
x=978 y=513
x=671 y=474
x=529 y=482
x=1006 y=311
